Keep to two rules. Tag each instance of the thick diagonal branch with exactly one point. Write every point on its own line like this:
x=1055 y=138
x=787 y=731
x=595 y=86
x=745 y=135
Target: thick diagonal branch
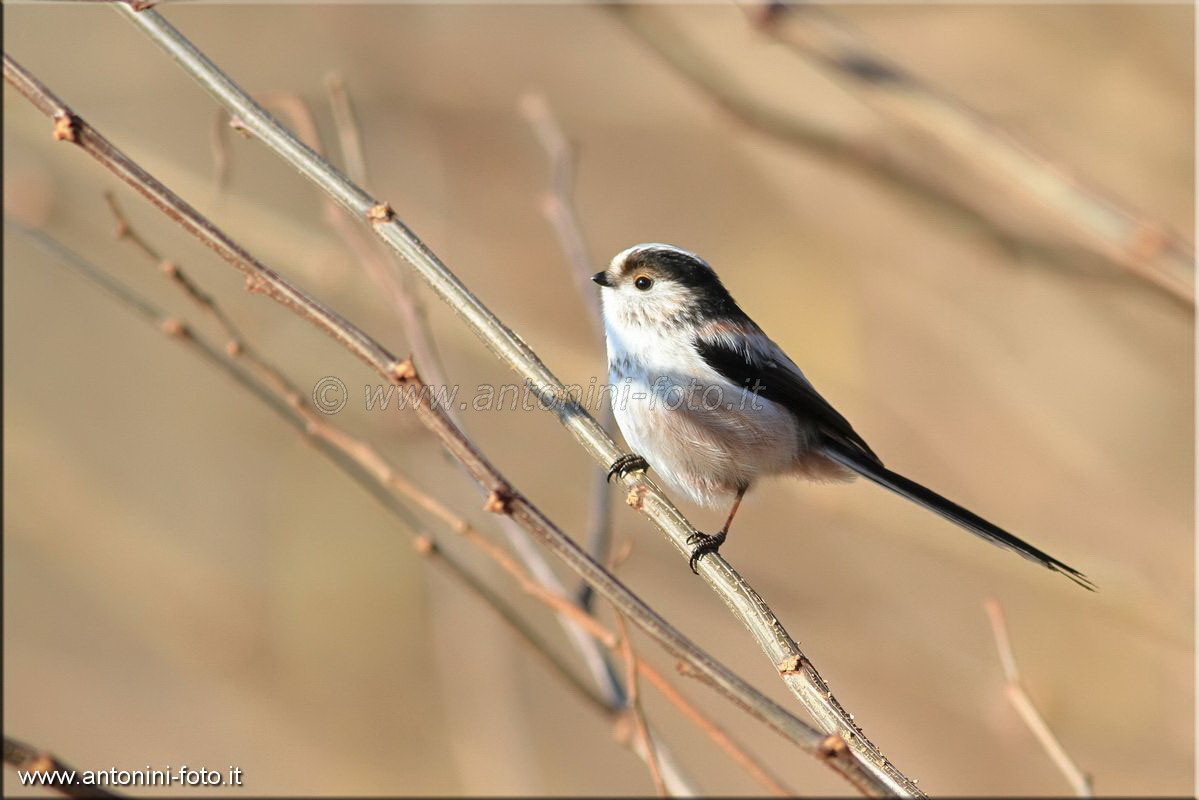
x=794 y=668
x=873 y=774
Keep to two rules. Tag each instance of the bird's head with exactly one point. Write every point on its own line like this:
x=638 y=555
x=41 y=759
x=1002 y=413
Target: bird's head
x=650 y=284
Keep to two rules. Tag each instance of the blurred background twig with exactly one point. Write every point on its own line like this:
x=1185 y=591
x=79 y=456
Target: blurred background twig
x=557 y=205
x=1017 y=695
x=1130 y=240
x=1144 y=247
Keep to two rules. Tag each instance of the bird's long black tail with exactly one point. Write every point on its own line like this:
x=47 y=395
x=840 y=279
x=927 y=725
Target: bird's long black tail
x=864 y=466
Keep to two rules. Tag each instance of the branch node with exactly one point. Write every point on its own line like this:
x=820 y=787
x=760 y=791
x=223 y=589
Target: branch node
x=380 y=213
x=622 y=728
x=174 y=327
x=792 y=665
x=402 y=371
x=424 y=545
x=66 y=127
x=769 y=14
x=636 y=496
x=550 y=204
x=499 y=501
x=833 y=746
x=166 y=265
x=233 y=348
x=1149 y=239
x=236 y=124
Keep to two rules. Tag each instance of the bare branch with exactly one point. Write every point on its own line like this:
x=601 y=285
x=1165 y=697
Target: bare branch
x=1142 y=246
x=634 y=704
x=348 y=131
x=218 y=143
x=414 y=320
x=614 y=642
x=429 y=549
x=404 y=299
x=872 y=774
x=1139 y=246
x=1018 y=697
x=27 y=758
x=235 y=343
x=748 y=762
x=557 y=204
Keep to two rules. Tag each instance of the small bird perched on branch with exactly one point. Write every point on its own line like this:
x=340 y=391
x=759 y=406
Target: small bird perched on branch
x=714 y=404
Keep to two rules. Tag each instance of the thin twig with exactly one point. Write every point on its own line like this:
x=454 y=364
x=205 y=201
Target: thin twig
x=558 y=207
x=749 y=763
x=235 y=342
x=428 y=548
x=218 y=143
x=348 y=132
x=377 y=263
x=557 y=204
x=1142 y=247
x=404 y=299
x=415 y=323
x=634 y=704
x=613 y=641
x=1017 y=695
x=847 y=751
x=67 y=782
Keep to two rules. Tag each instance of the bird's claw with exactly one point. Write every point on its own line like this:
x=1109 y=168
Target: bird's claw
x=629 y=462
x=702 y=544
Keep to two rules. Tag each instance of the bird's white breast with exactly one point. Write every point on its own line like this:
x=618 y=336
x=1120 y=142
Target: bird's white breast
x=700 y=432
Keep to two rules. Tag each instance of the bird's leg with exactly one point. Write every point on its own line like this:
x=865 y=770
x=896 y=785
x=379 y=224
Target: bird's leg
x=629 y=462
x=702 y=543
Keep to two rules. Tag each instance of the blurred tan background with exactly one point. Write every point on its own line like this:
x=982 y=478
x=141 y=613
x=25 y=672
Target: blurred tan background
x=187 y=582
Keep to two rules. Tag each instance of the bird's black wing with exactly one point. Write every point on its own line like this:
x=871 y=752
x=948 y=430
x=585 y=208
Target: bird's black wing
x=782 y=384
x=776 y=380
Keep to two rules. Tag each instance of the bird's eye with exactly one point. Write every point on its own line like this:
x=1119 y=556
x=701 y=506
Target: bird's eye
x=643 y=282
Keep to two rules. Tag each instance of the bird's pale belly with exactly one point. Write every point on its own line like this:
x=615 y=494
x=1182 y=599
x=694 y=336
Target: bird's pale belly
x=706 y=440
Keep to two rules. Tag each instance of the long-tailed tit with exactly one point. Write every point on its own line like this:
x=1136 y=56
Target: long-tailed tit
x=713 y=404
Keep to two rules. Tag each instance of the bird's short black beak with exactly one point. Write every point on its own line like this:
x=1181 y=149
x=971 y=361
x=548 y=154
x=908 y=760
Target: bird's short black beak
x=601 y=278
